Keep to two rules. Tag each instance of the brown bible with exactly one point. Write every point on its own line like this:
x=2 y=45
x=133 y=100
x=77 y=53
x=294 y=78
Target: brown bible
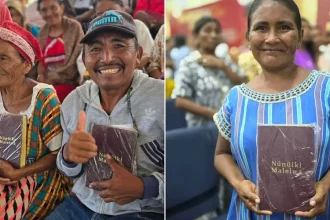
x=13 y=139
x=286 y=167
x=119 y=143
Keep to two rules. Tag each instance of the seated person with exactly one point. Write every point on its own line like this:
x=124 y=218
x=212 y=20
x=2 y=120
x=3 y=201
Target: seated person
x=118 y=94
x=33 y=191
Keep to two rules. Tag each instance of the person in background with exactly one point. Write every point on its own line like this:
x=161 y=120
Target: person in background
x=151 y=13
x=17 y=12
x=143 y=34
x=33 y=191
x=306 y=56
x=156 y=67
x=284 y=93
x=59 y=39
x=180 y=51
x=204 y=78
x=118 y=94
x=4 y=13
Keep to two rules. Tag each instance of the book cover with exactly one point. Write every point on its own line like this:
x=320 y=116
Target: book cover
x=13 y=139
x=286 y=167
x=120 y=143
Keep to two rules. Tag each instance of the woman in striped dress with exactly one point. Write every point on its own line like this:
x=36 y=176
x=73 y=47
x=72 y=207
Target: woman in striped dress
x=282 y=94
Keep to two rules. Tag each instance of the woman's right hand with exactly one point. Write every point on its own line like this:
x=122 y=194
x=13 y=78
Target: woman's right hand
x=7 y=181
x=247 y=192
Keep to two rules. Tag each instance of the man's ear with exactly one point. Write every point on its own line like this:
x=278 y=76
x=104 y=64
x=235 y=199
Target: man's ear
x=139 y=56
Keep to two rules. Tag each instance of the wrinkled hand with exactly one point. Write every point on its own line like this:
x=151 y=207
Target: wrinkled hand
x=81 y=145
x=8 y=172
x=122 y=188
x=6 y=181
x=211 y=62
x=247 y=191
x=318 y=202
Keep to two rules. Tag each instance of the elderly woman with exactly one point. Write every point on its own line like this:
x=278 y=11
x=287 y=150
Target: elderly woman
x=284 y=93
x=204 y=78
x=59 y=39
x=33 y=191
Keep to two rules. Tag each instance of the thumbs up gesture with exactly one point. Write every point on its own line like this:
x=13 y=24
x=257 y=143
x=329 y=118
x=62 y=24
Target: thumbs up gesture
x=81 y=145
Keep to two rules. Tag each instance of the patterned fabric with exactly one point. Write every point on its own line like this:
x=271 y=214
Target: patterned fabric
x=43 y=137
x=54 y=52
x=15 y=199
x=157 y=53
x=244 y=108
x=204 y=86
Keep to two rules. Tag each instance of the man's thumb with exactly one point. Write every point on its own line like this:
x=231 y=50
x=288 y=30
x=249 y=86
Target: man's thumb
x=81 y=121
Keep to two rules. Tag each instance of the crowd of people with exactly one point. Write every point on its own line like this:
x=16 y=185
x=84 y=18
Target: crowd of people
x=65 y=78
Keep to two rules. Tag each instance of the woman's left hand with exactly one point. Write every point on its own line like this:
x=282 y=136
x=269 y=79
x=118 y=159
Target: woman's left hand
x=211 y=61
x=7 y=171
x=318 y=202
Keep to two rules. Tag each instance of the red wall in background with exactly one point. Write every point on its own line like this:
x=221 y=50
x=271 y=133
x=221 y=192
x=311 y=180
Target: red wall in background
x=230 y=14
x=323 y=13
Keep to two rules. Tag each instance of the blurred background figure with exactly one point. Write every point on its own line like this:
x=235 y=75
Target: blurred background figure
x=59 y=40
x=306 y=55
x=156 y=66
x=150 y=12
x=17 y=12
x=204 y=78
x=180 y=50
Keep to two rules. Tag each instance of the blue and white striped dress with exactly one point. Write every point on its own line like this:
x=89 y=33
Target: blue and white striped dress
x=243 y=109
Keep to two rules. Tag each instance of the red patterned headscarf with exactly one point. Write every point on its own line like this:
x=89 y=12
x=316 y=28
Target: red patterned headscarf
x=22 y=40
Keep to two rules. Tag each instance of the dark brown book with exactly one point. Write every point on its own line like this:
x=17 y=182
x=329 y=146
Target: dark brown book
x=286 y=167
x=120 y=143
x=13 y=139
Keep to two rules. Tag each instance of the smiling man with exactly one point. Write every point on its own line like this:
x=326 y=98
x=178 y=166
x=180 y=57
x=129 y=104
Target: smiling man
x=118 y=94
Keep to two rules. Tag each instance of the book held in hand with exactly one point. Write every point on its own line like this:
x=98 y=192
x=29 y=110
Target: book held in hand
x=119 y=143
x=13 y=139
x=286 y=167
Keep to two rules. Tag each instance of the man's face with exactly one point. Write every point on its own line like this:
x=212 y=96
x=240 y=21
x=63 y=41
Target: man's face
x=106 y=5
x=110 y=58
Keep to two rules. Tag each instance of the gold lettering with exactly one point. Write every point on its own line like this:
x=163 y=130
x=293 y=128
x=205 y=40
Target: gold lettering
x=274 y=163
x=296 y=165
x=274 y=170
x=278 y=163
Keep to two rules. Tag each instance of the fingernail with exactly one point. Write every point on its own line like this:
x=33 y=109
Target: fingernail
x=257 y=200
x=108 y=156
x=312 y=203
x=91 y=185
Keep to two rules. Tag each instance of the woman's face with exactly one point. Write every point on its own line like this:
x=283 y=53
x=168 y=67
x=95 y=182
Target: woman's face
x=11 y=65
x=274 y=36
x=51 y=11
x=209 y=36
x=16 y=16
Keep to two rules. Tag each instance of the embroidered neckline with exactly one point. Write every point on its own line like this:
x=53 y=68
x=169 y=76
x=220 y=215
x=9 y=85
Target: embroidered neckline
x=283 y=96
